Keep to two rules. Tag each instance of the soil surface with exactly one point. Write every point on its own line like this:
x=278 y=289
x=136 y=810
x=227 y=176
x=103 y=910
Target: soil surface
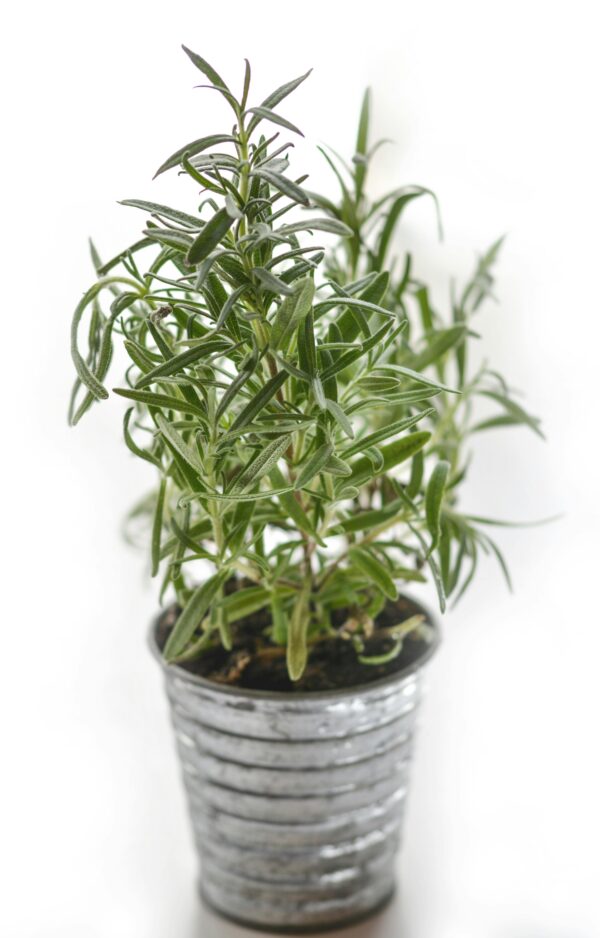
x=255 y=663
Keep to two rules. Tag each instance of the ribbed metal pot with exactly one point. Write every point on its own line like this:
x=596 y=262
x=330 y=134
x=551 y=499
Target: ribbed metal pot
x=296 y=800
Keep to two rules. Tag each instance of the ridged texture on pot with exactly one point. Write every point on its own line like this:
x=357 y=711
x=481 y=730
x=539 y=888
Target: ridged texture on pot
x=296 y=801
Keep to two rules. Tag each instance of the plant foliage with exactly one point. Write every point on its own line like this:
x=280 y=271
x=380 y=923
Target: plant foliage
x=305 y=409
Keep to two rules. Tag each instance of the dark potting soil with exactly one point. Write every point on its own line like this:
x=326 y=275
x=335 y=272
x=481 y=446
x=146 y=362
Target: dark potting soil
x=255 y=663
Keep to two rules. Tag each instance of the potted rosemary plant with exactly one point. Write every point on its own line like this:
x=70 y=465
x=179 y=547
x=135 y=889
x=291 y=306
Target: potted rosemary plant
x=304 y=412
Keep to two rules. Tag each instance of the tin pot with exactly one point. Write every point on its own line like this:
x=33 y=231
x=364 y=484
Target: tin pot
x=296 y=799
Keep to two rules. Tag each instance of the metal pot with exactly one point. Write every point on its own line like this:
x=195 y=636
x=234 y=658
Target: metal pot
x=296 y=799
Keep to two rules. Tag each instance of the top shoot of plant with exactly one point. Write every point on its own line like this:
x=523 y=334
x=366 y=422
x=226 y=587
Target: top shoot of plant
x=304 y=409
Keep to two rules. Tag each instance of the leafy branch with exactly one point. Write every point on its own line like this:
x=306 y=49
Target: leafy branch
x=303 y=407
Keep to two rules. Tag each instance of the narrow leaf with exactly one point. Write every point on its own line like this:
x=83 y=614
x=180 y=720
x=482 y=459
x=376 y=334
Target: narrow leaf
x=433 y=500
x=374 y=570
x=164 y=211
x=177 y=443
x=438 y=344
x=193 y=613
x=177 y=364
x=265 y=113
x=203 y=66
x=284 y=185
x=157 y=526
x=262 y=464
x=193 y=148
x=340 y=417
x=166 y=401
x=378 y=436
x=280 y=93
x=297 y=651
x=291 y=312
x=291 y=504
x=271 y=282
x=210 y=236
x=314 y=465
x=392 y=455
x=260 y=400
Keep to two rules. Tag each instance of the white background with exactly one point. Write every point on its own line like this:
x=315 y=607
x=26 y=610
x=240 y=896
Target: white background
x=495 y=107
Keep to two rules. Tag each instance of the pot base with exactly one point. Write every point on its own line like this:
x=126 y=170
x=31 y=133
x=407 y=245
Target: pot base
x=347 y=922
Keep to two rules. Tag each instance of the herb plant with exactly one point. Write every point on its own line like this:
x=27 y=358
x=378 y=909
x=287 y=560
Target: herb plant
x=305 y=410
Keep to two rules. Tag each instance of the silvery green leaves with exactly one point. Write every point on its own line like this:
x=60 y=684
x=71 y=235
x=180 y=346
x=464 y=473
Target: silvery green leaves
x=302 y=404
x=434 y=496
x=291 y=312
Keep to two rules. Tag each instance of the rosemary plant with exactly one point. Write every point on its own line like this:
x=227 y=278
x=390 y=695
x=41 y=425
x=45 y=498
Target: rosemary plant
x=303 y=407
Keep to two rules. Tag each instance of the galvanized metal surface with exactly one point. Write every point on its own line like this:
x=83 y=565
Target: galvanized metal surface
x=296 y=801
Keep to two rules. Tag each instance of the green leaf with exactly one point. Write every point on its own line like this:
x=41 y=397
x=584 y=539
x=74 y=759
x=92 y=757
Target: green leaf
x=352 y=355
x=499 y=523
x=284 y=185
x=177 y=443
x=353 y=303
x=290 y=502
x=179 y=552
x=378 y=436
x=279 y=620
x=419 y=378
x=392 y=455
x=493 y=423
x=232 y=389
x=438 y=344
x=271 y=282
x=244 y=602
x=178 y=240
x=192 y=149
x=265 y=460
x=84 y=372
x=236 y=497
x=166 y=401
x=133 y=447
x=340 y=417
x=154 y=208
x=434 y=496
x=177 y=364
x=373 y=293
x=278 y=95
x=247 y=77
x=260 y=400
x=337 y=467
x=362 y=139
x=416 y=475
x=211 y=235
x=513 y=411
x=367 y=520
x=297 y=651
x=384 y=658
x=242 y=516
x=229 y=305
x=314 y=465
x=206 y=69
x=318 y=224
x=374 y=570
x=184 y=538
x=393 y=216
x=291 y=312
x=435 y=571
x=501 y=561
x=265 y=113
x=193 y=613
x=157 y=526
x=307 y=353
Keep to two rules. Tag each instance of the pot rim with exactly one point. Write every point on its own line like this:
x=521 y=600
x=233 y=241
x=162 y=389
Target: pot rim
x=281 y=696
